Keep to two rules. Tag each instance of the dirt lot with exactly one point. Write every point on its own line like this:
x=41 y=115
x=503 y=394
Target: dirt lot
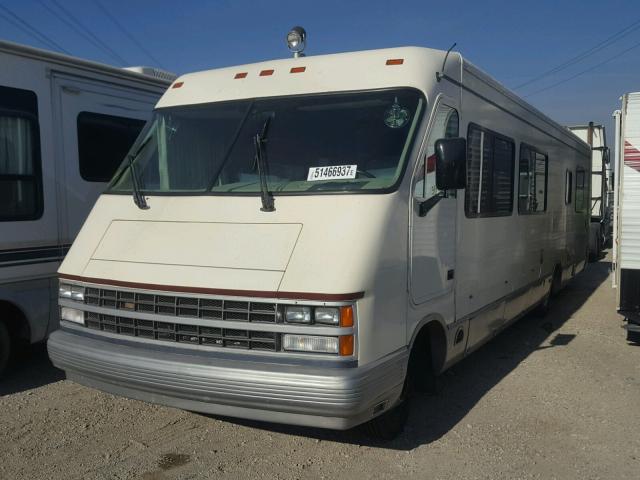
x=553 y=397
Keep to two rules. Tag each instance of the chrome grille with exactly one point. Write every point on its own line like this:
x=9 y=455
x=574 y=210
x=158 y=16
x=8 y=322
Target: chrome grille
x=177 y=306
x=182 y=333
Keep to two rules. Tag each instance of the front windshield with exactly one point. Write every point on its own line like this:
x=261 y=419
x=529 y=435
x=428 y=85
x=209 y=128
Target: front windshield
x=314 y=143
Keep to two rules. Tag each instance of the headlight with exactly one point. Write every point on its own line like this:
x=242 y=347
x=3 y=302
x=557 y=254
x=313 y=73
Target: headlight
x=310 y=343
x=297 y=314
x=77 y=293
x=72 y=315
x=327 y=315
x=72 y=292
x=64 y=290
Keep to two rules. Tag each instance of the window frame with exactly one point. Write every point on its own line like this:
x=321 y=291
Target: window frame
x=568 y=187
x=36 y=175
x=411 y=155
x=584 y=202
x=500 y=136
x=546 y=178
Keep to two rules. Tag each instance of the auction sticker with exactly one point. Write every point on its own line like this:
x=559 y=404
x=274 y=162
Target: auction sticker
x=337 y=172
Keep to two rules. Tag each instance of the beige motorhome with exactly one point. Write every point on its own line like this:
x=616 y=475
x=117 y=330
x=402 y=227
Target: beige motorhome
x=291 y=241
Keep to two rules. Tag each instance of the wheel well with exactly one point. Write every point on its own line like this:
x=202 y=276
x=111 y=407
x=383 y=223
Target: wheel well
x=15 y=321
x=430 y=345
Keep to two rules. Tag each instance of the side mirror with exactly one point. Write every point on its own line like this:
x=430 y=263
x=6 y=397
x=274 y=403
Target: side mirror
x=451 y=163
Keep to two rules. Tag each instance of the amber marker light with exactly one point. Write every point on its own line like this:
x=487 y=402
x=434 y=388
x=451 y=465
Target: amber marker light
x=346 y=345
x=240 y=75
x=395 y=61
x=177 y=85
x=346 y=316
x=266 y=73
x=297 y=69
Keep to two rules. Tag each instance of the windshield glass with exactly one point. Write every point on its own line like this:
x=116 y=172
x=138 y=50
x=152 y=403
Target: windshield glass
x=315 y=143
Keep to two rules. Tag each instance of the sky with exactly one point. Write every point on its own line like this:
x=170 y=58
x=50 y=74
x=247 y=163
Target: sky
x=514 y=41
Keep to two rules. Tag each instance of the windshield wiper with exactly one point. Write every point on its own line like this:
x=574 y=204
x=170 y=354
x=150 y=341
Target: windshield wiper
x=138 y=197
x=258 y=142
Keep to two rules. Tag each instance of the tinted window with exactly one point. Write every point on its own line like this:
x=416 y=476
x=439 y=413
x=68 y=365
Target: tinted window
x=532 y=185
x=490 y=164
x=445 y=125
x=103 y=142
x=20 y=177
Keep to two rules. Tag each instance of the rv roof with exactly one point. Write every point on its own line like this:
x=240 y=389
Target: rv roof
x=137 y=73
x=313 y=74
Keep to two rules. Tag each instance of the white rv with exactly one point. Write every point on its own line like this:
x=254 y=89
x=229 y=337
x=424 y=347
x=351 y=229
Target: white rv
x=626 y=236
x=65 y=125
x=302 y=240
x=601 y=187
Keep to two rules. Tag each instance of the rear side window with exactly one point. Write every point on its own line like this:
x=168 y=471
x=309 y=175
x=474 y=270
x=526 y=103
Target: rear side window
x=490 y=165
x=532 y=181
x=20 y=174
x=103 y=142
x=581 y=194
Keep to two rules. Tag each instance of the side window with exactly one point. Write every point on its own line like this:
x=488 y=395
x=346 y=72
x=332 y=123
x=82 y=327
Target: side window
x=581 y=199
x=532 y=184
x=568 y=187
x=490 y=165
x=103 y=142
x=446 y=125
x=20 y=177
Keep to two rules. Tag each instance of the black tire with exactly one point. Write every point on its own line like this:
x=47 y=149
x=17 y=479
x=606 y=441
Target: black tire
x=5 y=348
x=633 y=337
x=390 y=424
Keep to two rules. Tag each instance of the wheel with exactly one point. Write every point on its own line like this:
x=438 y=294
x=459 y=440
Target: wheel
x=633 y=337
x=5 y=347
x=390 y=424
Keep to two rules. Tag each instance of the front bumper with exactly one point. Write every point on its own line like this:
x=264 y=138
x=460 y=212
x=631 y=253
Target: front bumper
x=327 y=396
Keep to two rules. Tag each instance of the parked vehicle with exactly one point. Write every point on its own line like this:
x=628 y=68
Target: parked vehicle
x=65 y=125
x=303 y=239
x=601 y=187
x=626 y=235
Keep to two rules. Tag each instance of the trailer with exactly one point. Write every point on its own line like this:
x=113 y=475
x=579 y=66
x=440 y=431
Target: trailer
x=601 y=187
x=626 y=236
x=306 y=243
x=65 y=125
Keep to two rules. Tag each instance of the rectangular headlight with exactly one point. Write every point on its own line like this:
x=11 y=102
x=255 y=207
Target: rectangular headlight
x=297 y=314
x=310 y=343
x=77 y=293
x=64 y=290
x=327 y=315
x=72 y=315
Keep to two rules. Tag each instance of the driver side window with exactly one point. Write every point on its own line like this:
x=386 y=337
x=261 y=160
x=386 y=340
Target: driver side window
x=446 y=125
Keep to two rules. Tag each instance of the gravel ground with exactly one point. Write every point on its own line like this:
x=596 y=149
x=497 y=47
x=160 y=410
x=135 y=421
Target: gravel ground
x=553 y=397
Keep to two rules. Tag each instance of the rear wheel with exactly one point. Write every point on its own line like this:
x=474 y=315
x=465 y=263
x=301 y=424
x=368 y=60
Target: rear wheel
x=556 y=282
x=633 y=337
x=5 y=347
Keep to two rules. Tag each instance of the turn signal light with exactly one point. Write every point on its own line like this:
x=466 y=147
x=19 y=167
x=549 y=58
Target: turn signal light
x=346 y=345
x=346 y=316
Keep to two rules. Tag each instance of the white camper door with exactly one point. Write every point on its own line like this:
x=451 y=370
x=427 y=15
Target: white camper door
x=433 y=235
x=91 y=118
